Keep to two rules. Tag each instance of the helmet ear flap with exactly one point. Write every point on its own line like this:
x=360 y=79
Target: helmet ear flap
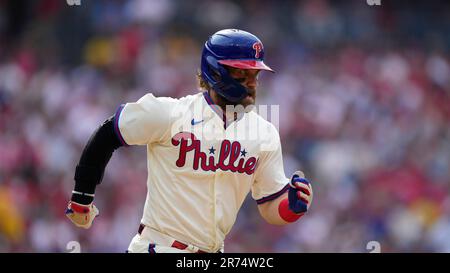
x=210 y=69
x=215 y=69
x=220 y=80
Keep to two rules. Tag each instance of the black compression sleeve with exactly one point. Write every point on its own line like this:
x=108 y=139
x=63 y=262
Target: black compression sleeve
x=94 y=158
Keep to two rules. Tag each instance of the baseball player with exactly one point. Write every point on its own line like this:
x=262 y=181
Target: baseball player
x=205 y=153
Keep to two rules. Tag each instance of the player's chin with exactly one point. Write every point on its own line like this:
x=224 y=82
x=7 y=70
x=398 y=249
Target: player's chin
x=249 y=100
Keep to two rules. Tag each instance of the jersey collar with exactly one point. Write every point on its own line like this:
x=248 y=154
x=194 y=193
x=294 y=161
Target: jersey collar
x=220 y=112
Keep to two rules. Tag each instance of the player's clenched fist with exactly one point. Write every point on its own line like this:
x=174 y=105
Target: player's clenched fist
x=300 y=193
x=81 y=215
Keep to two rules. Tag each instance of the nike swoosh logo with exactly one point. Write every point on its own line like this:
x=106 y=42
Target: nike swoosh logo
x=193 y=122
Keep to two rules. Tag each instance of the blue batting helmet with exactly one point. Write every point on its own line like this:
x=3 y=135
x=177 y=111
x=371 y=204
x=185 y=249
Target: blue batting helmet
x=235 y=48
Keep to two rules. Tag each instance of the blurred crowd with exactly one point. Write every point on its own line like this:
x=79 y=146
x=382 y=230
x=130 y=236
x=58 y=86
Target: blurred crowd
x=364 y=95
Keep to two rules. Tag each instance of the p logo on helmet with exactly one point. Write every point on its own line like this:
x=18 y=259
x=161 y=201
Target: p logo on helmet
x=258 y=48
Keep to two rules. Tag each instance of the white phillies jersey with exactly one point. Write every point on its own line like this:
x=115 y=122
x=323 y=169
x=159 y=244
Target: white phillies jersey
x=200 y=172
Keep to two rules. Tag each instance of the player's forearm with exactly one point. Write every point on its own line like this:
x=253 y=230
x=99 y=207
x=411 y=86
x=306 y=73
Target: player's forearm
x=270 y=211
x=277 y=211
x=94 y=158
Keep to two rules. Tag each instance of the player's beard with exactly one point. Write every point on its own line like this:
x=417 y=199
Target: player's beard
x=249 y=101
x=246 y=104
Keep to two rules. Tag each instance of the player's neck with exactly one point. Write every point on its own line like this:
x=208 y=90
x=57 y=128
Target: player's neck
x=222 y=103
x=218 y=100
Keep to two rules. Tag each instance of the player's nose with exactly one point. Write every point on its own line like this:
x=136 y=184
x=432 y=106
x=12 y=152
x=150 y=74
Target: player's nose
x=252 y=81
x=251 y=85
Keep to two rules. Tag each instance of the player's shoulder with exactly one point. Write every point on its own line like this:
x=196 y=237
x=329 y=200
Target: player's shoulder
x=188 y=99
x=152 y=98
x=265 y=129
x=256 y=117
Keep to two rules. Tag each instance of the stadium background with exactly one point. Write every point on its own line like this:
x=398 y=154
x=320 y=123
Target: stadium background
x=364 y=95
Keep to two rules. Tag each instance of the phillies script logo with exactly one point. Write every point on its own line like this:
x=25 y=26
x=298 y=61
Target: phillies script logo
x=258 y=48
x=228 y=150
